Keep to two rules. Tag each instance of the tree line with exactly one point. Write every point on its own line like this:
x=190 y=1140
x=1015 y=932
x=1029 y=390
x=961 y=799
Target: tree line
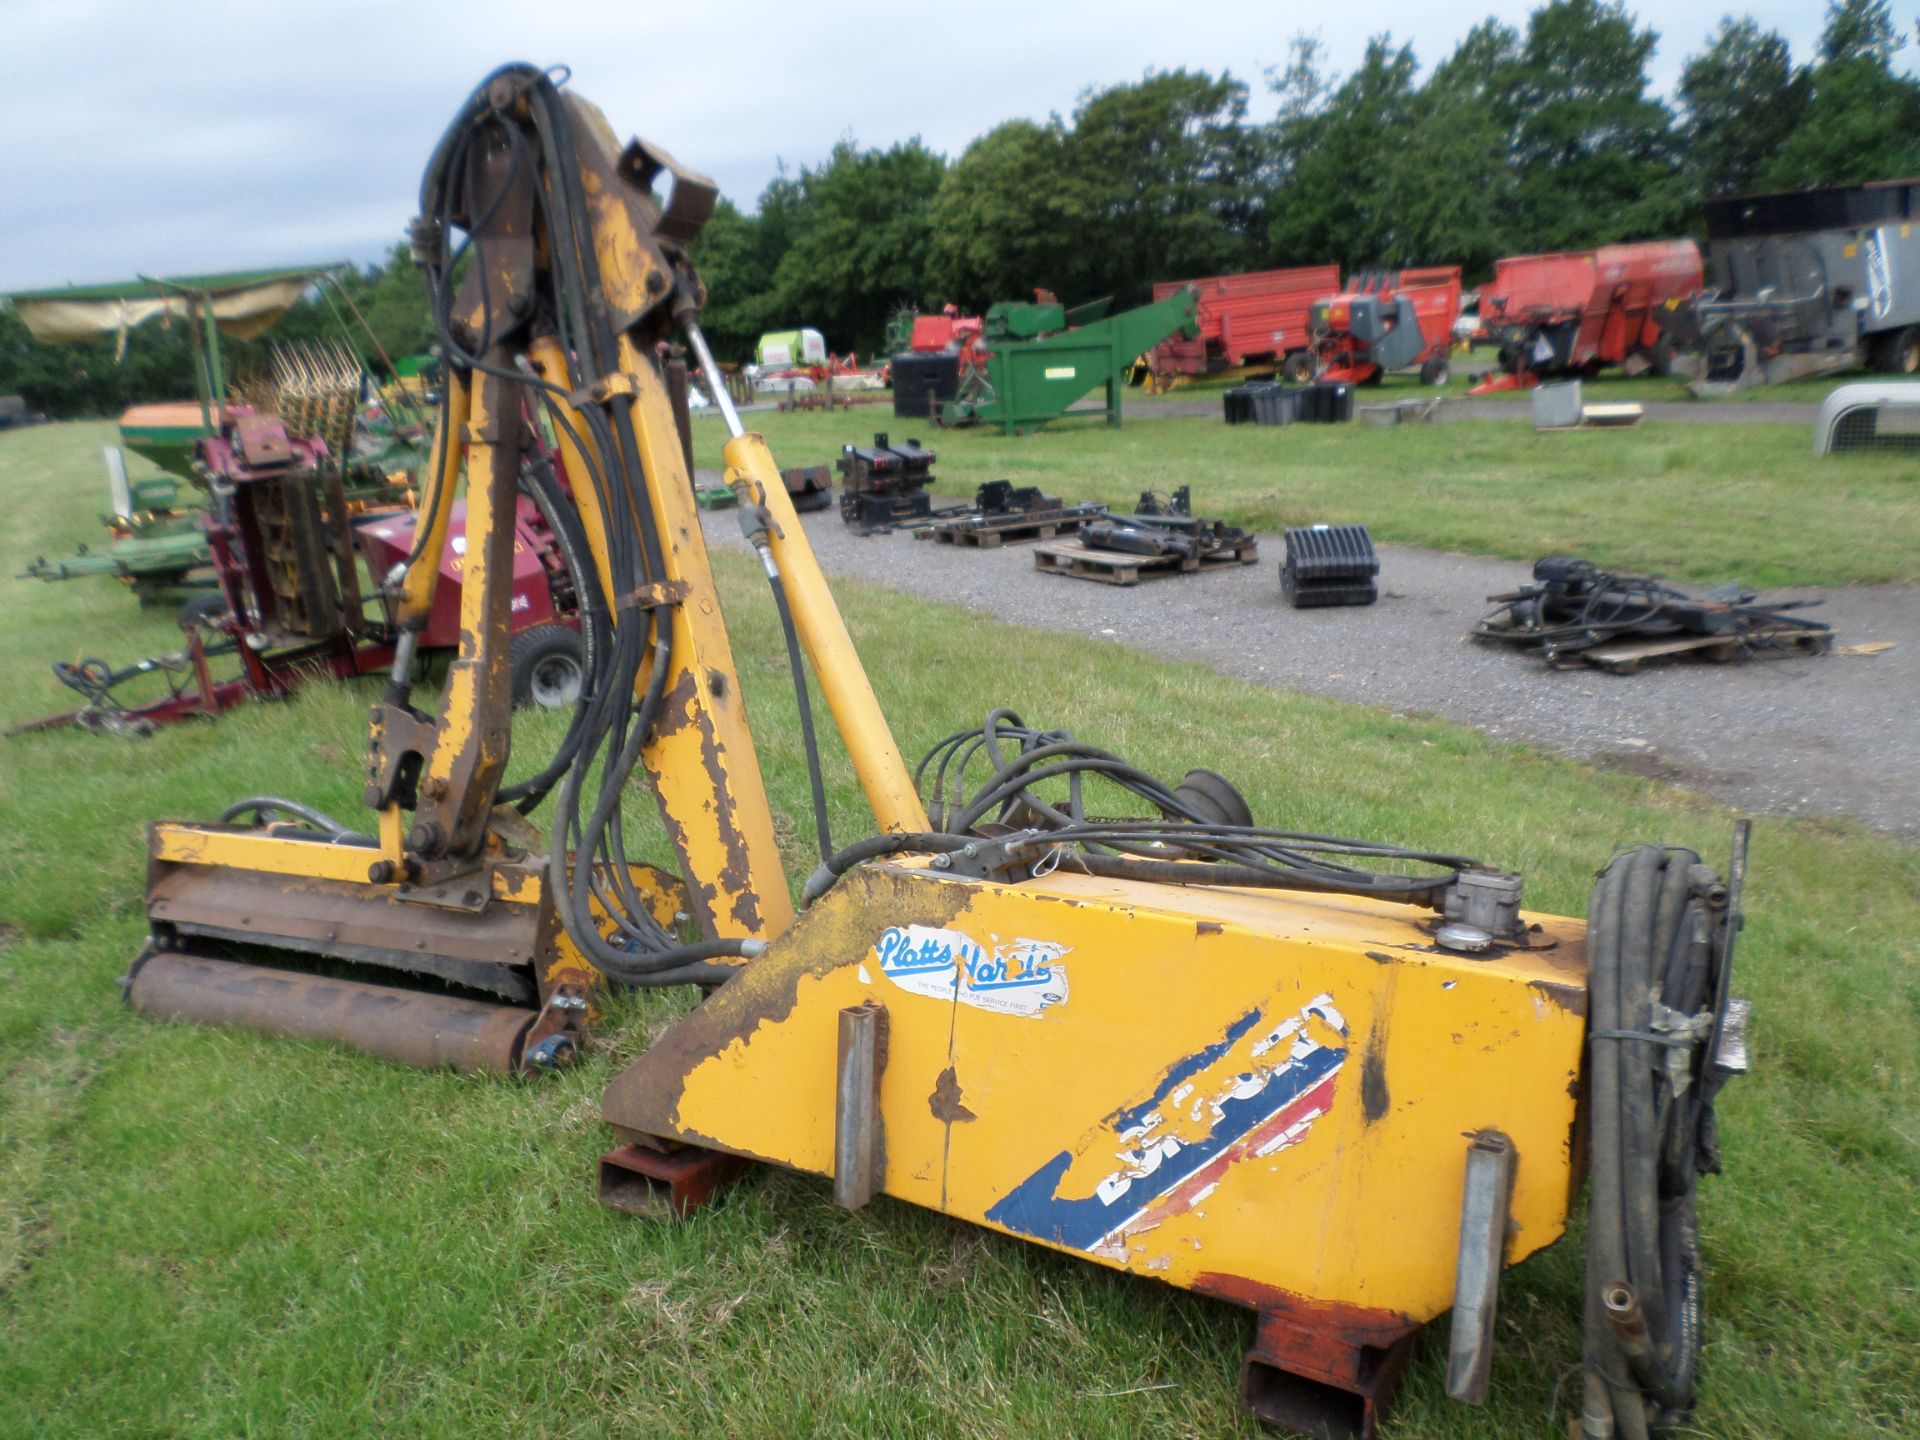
x=1542 y=137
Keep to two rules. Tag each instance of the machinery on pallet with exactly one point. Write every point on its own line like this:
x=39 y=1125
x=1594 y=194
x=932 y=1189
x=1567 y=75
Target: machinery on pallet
x=1006 y=514
x=1574 y=613
x=1385 y=321
x=1805 y=282
x=1258 y=318
x=1036 y=359
x=884 y=484
x=1163 y=537
x=1338 y=1082
x=1575 y=312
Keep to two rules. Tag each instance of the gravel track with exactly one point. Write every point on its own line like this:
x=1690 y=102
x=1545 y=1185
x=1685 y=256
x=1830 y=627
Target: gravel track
x=1833 y=735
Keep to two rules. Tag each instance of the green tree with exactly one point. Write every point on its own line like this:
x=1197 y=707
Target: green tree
x=1594 y=154
x=1003 y=222
x=1336 y=151
x=735 y=266
x=1163 y=179
x=1379 y=169
x=861 y=245
x=1743 y=98
x=392 y=298
x=1862 y=119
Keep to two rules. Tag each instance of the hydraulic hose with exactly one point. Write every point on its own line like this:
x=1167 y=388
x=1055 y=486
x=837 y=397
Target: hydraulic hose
x=1658 y=950
x=803 y=698
x=262 y=806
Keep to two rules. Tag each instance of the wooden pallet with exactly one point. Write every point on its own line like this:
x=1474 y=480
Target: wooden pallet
x=1007 y=532
x=1113 y=567
x=1627 y=656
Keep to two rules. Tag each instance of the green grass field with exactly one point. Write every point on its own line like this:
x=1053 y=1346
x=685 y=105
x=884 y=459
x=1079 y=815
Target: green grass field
x=1699 y=503
x=208 y=1233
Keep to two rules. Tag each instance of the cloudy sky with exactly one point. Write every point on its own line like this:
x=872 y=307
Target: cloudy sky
x=173 y=136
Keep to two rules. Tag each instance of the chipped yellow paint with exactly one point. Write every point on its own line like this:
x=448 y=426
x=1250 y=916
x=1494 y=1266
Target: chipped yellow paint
x=700 y=754
x=1357 y=1203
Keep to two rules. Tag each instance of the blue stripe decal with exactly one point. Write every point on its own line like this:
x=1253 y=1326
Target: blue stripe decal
x=1035 y=1208
x=1181 y=1069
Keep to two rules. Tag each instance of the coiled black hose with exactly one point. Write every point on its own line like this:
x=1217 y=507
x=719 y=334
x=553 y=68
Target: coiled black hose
x=1658 y=952
x=1157 y=849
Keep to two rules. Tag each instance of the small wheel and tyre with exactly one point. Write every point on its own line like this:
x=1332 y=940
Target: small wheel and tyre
x=1299 y=368
x=1436 y=372
x=1660 y=357
x=1903 y=352
x=549 y=667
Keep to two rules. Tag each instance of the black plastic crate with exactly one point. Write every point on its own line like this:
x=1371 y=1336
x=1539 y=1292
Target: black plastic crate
x=1238 y=402
x=1330 y=402
x=1276 y=405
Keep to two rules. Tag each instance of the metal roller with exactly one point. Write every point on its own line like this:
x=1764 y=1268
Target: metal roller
x=411 y=1027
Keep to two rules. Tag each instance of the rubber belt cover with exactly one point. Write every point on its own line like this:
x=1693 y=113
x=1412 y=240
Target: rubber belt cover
x=412 y=1027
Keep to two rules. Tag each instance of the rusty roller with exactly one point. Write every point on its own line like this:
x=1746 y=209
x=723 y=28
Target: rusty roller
x=412 y=1027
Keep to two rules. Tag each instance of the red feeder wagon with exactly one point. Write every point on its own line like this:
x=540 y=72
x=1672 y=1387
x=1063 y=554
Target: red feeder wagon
x=1573 y=312
x=1259 y=318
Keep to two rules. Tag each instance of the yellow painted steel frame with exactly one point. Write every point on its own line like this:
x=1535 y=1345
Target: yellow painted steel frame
x=520 y=887
x=1263 y=1096
x=700 y=756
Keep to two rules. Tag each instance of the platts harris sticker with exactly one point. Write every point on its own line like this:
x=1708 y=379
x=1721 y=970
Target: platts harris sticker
x=1016 y=977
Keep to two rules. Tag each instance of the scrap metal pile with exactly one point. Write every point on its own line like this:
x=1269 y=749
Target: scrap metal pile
x=1576 y=613
x=1162 y=537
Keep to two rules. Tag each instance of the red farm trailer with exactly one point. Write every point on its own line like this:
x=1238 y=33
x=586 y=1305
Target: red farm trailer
x=1573 y=312
x=1383 y=322
x=1257 y=318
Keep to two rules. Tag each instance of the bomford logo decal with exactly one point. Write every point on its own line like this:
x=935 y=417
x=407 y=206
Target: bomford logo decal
x=1248 y=1096
x=1015 y=977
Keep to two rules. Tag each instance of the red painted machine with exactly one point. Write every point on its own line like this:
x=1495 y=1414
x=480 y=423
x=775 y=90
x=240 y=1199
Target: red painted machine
x=1260 y=318
x=1383 y=322
x=1573 y=312
x=949 y=330
x=292 y=604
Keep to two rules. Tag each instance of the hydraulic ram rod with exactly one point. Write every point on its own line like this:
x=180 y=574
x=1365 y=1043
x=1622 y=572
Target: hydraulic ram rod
x=836 y=664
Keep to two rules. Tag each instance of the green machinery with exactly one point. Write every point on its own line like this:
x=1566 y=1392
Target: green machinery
x=1040 y=358
x=155 y=540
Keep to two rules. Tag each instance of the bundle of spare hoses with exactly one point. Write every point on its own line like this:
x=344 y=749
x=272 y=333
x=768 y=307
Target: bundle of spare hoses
x=1663 y=1037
